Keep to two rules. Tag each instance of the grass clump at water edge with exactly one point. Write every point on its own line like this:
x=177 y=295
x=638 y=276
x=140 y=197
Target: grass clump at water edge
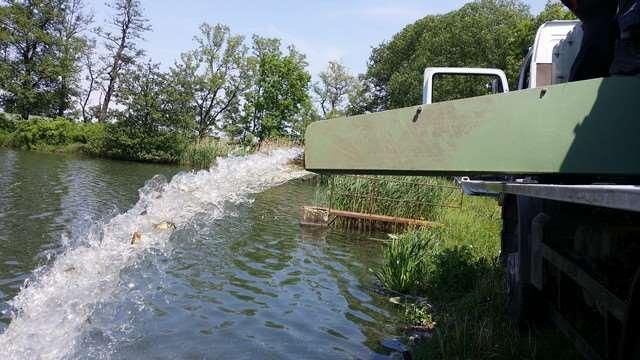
x=203 y=154
x=449 y=279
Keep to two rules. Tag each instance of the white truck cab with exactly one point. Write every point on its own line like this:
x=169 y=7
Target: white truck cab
x=548 y=62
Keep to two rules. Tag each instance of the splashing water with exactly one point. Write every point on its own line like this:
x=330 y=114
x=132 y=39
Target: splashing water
x=52 y=311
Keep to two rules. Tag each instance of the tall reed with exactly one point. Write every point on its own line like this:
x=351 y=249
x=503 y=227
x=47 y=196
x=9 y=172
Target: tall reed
x=202 y=154
x=407 y=197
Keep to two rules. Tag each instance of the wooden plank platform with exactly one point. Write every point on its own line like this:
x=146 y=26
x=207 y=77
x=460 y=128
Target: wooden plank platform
x=321 y=216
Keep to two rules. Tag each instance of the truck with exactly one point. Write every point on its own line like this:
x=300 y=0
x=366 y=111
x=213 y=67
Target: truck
x=564 y=160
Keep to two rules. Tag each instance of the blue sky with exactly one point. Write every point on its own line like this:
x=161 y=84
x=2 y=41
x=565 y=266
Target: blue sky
x=322 y=29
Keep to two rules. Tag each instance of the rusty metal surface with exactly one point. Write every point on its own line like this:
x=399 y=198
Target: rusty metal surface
x=588 y=127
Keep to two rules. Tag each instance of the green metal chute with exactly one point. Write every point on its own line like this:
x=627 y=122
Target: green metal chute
x=587 y=128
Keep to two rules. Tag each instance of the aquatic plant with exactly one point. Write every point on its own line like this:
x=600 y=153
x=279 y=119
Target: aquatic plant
x=405 y=262
x=398 y=196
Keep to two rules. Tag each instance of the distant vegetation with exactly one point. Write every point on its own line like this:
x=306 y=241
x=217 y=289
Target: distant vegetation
x=483 y=33
x=55 y=62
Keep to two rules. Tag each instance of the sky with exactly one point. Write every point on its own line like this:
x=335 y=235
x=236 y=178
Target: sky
x=324 y=30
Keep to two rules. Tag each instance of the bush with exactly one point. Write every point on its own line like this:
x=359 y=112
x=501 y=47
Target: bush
x=33 y=133
x=57 y=135
x=7 y=124
x=125 y=143
x=5 y=138
x=92 y=138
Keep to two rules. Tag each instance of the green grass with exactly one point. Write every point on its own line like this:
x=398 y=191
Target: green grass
x=456 y=269
x=406 y=260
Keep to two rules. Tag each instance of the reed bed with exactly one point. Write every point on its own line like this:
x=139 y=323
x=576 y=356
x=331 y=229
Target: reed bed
x=406 y=197
x=202 y=155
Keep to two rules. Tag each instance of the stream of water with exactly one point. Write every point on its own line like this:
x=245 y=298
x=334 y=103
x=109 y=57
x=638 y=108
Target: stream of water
x=237 y=278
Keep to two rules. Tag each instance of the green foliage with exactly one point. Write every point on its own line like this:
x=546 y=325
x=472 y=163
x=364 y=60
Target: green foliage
x=125 y=142
x=212 y=78
x=150 y=127
x=126 y=25
x=277 y=103
x=7 y=123
x=5 y=138
x=456 y=269
x=483 y=33
x=333 y=89
x=55 y=135
x=202 y=155
x=41 y=42
x=406 y=263
x=32 y=133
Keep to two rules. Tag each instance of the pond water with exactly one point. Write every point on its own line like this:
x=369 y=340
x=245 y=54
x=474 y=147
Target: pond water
x=238 y=278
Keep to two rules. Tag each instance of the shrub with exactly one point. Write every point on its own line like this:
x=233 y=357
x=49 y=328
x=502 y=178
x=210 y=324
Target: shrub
x=57 y=135
x=127 y=143
x=30 y=134
x=93 y=136
x=7 y=124
x=5 y=138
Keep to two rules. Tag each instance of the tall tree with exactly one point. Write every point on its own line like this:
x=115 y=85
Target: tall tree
x=31 y=65
x=148 y=127
x=72 y=48
x=127 y=25
x=91 y=80
x=360 y=97
x=483 y=33
x=333 y=88
x=277 y=103
x=214 y=76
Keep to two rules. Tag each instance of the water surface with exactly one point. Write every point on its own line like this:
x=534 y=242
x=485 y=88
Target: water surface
x=238 y=278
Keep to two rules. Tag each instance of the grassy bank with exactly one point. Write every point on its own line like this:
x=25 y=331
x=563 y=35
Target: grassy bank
x=454 y=282
x=112 y=141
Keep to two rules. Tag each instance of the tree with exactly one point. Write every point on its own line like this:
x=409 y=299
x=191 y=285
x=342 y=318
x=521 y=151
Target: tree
x=277 y=103
x=37 y=68
x=214 y=77
x=333 y=89
x=72 y=48
x=92 y=76
x=360 y=97
x=483 y=33
x=149 y=126
x=129 y=26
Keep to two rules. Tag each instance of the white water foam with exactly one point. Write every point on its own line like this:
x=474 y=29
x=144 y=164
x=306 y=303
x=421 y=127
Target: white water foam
x=52 y=311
